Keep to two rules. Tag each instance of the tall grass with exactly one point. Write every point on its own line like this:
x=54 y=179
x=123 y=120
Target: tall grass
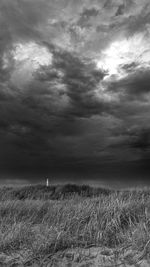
x=43 y=227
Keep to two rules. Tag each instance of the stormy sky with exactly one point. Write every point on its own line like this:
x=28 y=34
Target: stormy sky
x=75 y=91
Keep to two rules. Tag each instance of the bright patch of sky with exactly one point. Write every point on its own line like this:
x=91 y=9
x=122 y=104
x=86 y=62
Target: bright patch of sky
x=36 y=54
x=125 y=52
x=28 y=58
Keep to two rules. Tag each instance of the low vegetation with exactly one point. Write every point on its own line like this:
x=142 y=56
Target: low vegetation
x=55 y=192
x=38 y=222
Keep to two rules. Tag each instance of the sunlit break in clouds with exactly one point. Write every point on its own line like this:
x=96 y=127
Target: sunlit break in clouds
x=124 y=52
x=32 y=52
x=75 y=91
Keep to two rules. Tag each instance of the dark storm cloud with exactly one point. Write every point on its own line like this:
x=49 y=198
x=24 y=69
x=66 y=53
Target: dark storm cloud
x=36 y=20
x=138 y=23
x=71 y=79
x=120 y=10
x=136 y=85
x=81 y=79
x=142 y=141
x=67 y=114
x=21 y=19
x=86 y=15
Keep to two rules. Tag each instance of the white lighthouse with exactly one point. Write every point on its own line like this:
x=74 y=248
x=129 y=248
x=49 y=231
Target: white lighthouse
x=47 y=182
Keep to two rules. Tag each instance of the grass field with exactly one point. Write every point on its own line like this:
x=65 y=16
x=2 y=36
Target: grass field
x=36 y=224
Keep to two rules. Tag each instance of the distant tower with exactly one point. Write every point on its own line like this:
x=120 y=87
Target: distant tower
x=47 y=182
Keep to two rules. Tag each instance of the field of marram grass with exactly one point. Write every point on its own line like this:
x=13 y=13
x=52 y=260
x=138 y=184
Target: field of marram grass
x=39 y=231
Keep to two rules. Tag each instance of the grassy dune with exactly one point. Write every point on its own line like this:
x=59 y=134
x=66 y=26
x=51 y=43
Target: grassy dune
x=35 y=228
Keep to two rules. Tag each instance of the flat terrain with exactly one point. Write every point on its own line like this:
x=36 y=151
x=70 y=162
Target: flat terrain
x=74 y=226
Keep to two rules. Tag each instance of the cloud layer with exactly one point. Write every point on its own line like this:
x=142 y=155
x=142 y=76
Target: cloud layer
x=74 y=84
